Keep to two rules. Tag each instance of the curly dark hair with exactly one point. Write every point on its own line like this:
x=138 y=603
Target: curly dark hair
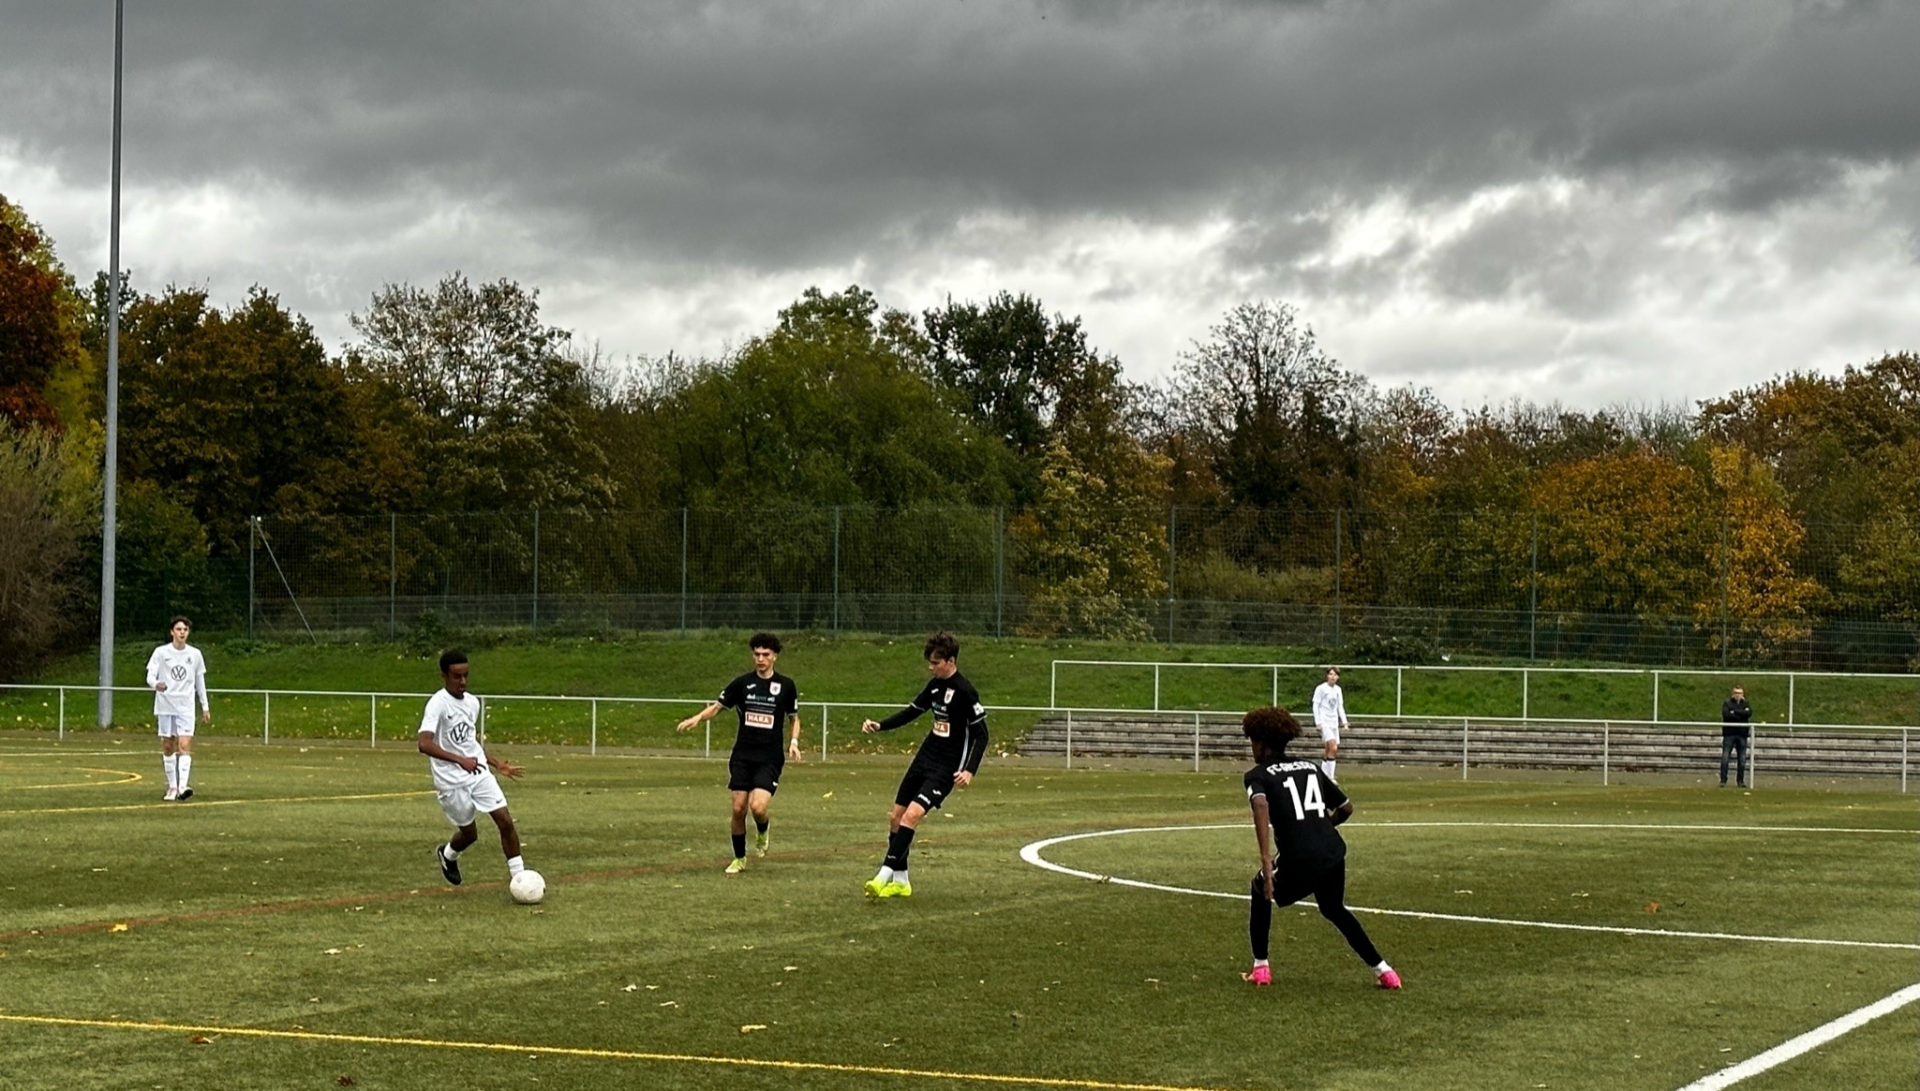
x=1270 y=729
x=943 y=645
x=764 y=640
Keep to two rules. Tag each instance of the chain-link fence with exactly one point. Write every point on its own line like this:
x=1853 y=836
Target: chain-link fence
x=1380 y=585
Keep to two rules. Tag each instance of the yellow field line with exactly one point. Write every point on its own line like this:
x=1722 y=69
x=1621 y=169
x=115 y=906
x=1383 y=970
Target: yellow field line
x=198 y=804
x=600 y=1054
x=125 y=778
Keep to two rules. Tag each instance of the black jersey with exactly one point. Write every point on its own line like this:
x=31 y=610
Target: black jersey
x=1299 y=799
x=959 y=736
x=764 y=705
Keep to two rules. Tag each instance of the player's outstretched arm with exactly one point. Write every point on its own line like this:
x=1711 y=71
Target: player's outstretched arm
x=707 y=713
x=505 y=768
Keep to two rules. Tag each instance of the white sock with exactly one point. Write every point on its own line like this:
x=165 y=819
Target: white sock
x=173 y=774
x=515 y=865
x=885 y=874
x=186 y=765
x=448 y=852
x=1259 y=962
x=1328 y=765
x=901 y=877
x=1383 y=968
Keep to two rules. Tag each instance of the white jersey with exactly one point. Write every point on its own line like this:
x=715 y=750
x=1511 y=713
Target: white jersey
x=452 y=722
x=185 y=673
x=1329 y=708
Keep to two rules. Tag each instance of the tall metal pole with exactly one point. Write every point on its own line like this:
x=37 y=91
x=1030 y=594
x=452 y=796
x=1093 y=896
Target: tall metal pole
x=836 y=568
x=111 y=483
x=1533 y=591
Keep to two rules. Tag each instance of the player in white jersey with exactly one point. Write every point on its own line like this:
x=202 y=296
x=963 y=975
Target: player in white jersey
x=178 y=673
x=461 y=777
x=1329 y=715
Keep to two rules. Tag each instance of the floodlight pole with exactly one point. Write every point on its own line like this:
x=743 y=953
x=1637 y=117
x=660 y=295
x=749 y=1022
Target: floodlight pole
x=111 y=477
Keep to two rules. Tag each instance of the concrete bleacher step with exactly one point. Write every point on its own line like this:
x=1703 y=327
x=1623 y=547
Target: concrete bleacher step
x=1633 y=748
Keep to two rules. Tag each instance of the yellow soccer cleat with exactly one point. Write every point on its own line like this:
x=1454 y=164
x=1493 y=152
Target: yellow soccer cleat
x=739 y=865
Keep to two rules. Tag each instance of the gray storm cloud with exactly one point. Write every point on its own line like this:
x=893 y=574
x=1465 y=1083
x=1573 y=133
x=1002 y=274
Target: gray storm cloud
x=1564 y=162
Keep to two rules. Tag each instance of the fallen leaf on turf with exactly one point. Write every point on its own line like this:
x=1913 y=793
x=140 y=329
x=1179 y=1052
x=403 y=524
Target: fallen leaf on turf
x=1463 y=892
x=783 y=967
x=200 y=1039
x=668 y=1004
x=630 y=988
x=829 y=795
x=119 y=926
x=346 y=1081
x=331 y=951
x=751 y=1027
x=1653 y=907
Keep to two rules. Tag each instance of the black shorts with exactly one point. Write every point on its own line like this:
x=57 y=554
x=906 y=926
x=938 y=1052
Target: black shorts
x=1326 y=881
x=927 y=785
x=748 y=774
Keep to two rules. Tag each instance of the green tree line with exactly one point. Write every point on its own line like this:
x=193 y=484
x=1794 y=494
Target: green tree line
x=1263 y=471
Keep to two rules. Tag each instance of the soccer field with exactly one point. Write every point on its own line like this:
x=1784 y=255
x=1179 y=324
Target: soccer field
x=288 y=929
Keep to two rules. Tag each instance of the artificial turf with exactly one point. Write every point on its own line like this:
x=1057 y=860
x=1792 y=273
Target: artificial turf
x=296 y=895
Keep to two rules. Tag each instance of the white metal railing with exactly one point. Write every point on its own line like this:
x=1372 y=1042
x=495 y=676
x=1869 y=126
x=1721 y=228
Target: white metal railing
x=1199 y=716
x=1526 y=677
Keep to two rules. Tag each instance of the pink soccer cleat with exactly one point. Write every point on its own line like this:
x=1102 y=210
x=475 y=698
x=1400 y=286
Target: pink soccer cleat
x=1260 y=975
x=1389 y=980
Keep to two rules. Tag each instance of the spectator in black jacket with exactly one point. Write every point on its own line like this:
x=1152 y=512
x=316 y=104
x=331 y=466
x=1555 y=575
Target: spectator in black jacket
x=1735 y=731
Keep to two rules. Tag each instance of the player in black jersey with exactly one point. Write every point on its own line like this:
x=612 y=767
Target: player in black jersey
x=1295 y=810
x=764 y=701
x=948 y=757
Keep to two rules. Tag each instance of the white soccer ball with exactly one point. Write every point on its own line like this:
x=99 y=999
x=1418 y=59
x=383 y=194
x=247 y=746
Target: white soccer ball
x=528 y=888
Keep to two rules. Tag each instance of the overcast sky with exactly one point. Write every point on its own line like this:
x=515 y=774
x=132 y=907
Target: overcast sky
x=1595 y=201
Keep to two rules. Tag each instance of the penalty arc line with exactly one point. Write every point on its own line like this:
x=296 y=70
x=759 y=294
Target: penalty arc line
x=601 y=1054
x=1031 y=854
x=1805 y=1043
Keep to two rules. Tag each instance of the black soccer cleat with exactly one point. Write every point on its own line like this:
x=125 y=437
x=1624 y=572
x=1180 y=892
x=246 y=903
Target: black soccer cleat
x=185 y=794
x=450 y=869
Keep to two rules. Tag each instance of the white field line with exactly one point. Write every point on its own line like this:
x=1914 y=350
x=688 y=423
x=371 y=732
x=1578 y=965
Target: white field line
x=1642 y=826
x=1031 y=854
x=1805 y=1043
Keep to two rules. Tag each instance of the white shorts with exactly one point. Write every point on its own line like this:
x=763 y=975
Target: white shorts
x=173 y=724
x=1329 y=732
x=481 y=795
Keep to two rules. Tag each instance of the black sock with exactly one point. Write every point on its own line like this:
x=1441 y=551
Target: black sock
x=898 y=842
x=760 y=824
x=739 y=845
x=1259 y=918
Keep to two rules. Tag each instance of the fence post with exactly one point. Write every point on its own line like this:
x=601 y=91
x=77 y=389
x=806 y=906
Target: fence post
x=1275 y=700
x=824 y=710
x=1903 y=738
x=1399 y=684
x=593 y=730
x=836 y=568
x=706 y=748
x=1606 y=746
x=1723 y=587
x=683 y=573
x=266 y=718
x=1173 y=540
x=373 y=720
x=253 y=532
x=1338 y=603
x=999 y=568
x=536 y=571
x=1463 y=748
x=1069 y=738
x=1533 y=590
x=1791 y=678
x=393 y=574
x=1656 y=696
x=1526 y=693
x=1196 y=742
x=1053 y=684
x=1156 y=687
x=1903 y=761
x=1753 y=759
